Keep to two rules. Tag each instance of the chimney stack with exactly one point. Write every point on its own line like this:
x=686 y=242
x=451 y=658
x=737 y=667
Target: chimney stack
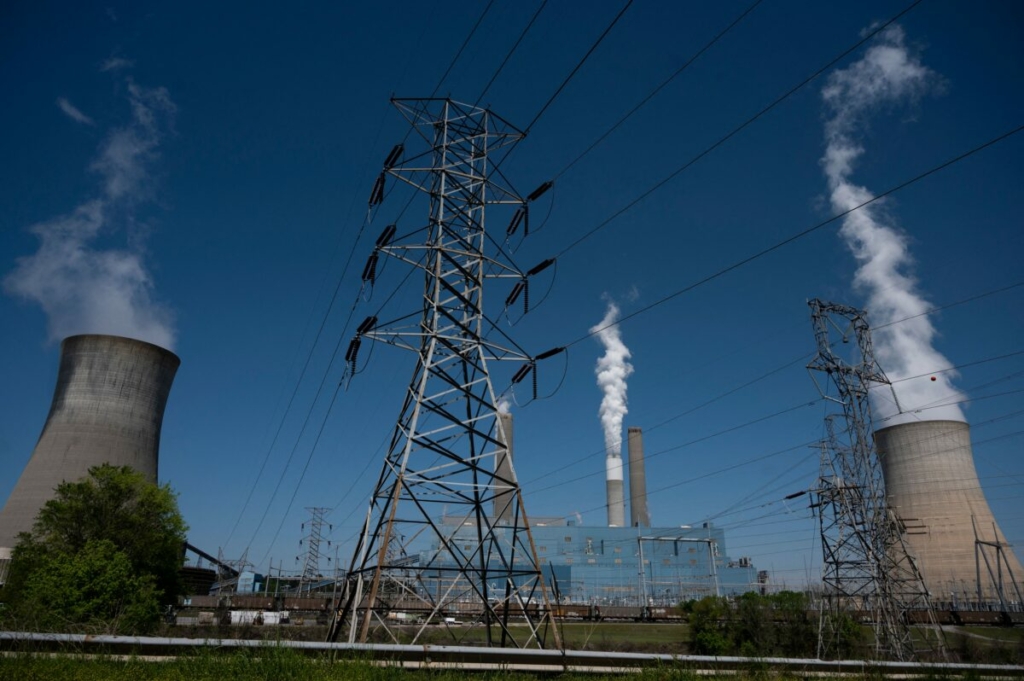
x=613 y=487
x=639 y=516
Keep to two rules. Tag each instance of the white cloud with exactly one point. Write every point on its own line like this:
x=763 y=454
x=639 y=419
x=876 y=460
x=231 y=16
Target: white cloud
x=73 y=112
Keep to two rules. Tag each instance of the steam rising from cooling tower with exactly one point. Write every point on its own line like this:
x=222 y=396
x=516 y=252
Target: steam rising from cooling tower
x=613 y=368
x=888 y=75
x=83 y=285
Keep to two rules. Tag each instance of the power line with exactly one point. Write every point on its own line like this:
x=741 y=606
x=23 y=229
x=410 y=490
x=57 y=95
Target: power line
x=690 y=443
x=809 y=230
x=366 y=221
x=465 y=42
x=737 y=130
x=789 y=363
x=949 y=305
x=580 y=65
x=656 y=90
x=508 y=56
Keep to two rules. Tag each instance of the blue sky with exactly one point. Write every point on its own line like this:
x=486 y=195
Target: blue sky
x=233 y=149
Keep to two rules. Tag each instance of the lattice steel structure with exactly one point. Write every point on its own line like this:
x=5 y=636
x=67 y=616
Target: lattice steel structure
x=310 y=543
x=431 y=548
x=866 y=563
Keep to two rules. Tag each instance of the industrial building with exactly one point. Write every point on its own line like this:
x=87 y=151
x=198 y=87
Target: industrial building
x=605 y=566
x=108 y=407
x=601 y=565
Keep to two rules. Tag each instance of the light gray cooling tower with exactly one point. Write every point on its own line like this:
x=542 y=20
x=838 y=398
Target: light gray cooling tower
x=639 y=516
x=503 y=470
x=108 y=407
x=931 y=483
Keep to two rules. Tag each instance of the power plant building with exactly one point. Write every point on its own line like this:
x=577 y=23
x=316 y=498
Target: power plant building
x=601 y=565
x=108 y=407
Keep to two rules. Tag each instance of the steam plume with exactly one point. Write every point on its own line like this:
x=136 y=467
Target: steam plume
x=888 y=75
x=83 y=287
x=613 y=368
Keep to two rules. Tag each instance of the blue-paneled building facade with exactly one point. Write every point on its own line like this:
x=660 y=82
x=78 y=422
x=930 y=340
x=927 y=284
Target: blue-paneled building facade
x=602 y=565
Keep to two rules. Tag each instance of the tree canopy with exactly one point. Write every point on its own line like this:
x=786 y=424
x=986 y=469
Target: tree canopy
x=104 y=552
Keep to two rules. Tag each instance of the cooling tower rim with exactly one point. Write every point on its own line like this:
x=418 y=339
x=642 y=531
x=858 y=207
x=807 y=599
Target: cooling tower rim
x=120 y=340
x=956 y=422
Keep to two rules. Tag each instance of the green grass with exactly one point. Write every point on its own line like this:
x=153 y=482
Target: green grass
x=269 y=663
x=1013 y=634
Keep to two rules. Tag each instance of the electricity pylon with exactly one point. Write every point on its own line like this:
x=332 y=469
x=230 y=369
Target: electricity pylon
x=429 y=551
x=311 y=542
x=867 y=565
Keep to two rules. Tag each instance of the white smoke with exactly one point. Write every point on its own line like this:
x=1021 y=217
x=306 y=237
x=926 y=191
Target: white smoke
x=84 y=288
x=613 y=368
x=503 y=406
x=888 y=75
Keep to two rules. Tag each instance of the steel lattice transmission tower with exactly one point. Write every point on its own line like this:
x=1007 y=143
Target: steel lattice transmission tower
x=867 y=565
x=310 y=557
x=430 y=548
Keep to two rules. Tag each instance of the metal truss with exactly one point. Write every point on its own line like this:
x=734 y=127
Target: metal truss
x=430 y=552
x=868 y=569
x=310 y=557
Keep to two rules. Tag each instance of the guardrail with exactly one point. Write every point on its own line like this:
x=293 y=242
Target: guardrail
x=481 y=659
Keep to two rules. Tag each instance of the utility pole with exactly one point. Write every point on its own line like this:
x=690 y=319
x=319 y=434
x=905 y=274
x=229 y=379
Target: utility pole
x=430 y=546
x=867 y=566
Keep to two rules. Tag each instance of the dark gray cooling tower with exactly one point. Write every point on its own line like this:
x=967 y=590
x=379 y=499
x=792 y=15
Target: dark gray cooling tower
x=639 y=516
x=503 y=470
x=107 y=408
x=932 y=485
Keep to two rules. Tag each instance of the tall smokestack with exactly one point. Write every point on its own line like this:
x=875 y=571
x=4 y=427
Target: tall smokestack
x=108 y=407
x=932 y=485
x=612 y=370
x=503 y=470
x=613 y=488
x=639 y=516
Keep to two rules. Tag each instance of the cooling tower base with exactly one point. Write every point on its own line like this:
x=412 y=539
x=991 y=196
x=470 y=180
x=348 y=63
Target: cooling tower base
x=932 y=485
x=108 y=407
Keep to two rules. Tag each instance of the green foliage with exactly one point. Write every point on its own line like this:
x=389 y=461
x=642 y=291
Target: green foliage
x=752 y=625
x=95 y=588
x=709 y=618
x=103 y=554
x=847 y=638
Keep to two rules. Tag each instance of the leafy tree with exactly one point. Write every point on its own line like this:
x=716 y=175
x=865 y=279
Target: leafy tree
x=709 y=618
x=797 y=633
x=95 y=588
x=104 y=551
x=752 y=627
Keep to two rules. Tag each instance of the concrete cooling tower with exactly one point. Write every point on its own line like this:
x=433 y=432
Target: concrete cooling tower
x=931 y=483
x=108 y=407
